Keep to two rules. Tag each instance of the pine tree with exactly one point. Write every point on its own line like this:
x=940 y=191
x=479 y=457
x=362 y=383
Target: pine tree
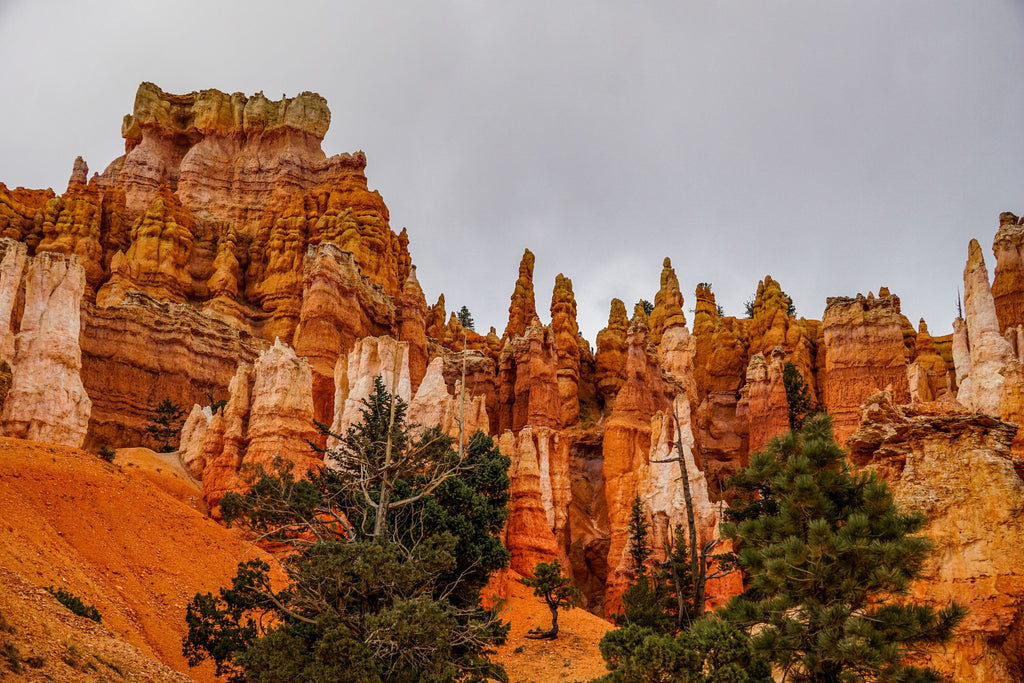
x=555 y=590
x=166 y=424
x=389 y=554
x=466 y=318
x=798 y=396
x=829 y=559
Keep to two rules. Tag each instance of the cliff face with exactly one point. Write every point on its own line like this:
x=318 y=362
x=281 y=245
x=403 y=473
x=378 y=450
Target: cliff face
x=226 y=257
x=957 y=469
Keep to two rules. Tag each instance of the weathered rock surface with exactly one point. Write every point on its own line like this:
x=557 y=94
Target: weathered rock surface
x=957 y=469
x=1008 y=279
x=339 y=306
x=142 y=351
x=193 y=432
x=763 y=404
x=268 y=418
x=528 y=389
x=668 y=304
x=610 y=359
x=523 y=307
x=12 y=267
x=46 y=400
x=566 y=332
x=528 y=533
x=433 y=406
x=982 y=386
x=864 y=353
x=354 y=377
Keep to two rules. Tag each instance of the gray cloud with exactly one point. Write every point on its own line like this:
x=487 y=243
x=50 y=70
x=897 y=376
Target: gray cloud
x=837 y=146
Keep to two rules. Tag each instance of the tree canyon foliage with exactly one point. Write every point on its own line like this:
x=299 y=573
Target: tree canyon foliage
x=390 y=546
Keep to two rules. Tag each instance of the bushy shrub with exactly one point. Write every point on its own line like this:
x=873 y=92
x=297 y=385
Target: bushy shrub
x=75 y=604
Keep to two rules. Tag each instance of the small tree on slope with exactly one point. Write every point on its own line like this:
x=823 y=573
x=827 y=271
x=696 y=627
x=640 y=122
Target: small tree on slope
x=556 y=590
x=829 y=559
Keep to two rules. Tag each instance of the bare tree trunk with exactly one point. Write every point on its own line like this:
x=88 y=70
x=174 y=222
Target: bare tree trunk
x=553 y=633
x=696 y=561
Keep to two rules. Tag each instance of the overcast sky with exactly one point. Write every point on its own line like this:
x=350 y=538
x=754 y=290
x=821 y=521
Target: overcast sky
x=837 y=146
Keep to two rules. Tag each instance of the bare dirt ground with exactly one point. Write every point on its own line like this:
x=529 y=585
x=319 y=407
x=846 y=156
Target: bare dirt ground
x=573 y=656
x=116 y=535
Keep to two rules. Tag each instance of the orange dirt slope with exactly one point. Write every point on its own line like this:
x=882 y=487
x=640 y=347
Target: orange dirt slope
x=116 y=539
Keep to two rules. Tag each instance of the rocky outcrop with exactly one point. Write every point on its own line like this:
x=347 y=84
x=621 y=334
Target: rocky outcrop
x=627 y=441
x=567 y=347
x=354 y=377
x=523 y=308
x=763 y=404
x=981 y=386
x=12 y=267
x=142 y=351
x=339 y=306
x=157 y=262
x=46 y=400
x=668 y=304
x=193 y=433
x=268 y=420
x=433 y=406
x=1008 y=279
x=412 y=328
x=957 y=470
x=610 y=359
x=927 y=376
x=864 y=353
x=527 y=384
x=539 y=489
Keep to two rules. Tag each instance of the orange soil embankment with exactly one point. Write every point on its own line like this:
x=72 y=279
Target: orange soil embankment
x=573 y=656
x=112 y=536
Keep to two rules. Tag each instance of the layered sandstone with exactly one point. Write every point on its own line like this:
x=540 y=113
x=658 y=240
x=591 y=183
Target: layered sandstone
x=530 y=530
x=268 y=420
x=864 y=353
x=763 y=405
x=339 y=306
x=528 y=388
x=957 y=470
x=356 y=373
x=928 y=374
x=47 y=400
x=523 y=308
x=668 y=304
x=627 y=442
x=136 y=354
x=433 y=406
x=1008 y=279
x=610 y=359
x=12 y=267
x=567 y=347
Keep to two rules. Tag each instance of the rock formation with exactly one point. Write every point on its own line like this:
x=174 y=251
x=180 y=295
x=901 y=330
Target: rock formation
x=268 y=419
x=864 y=353
x=46 y=400
x=433 y=406
x=981 y=387
x=764 y=398
x=610 y=360
x=1008 y=279
x=142 y=351
x=668 y=304
x=354 y=377
x=225 y=227
x=523 y=308
x=566 y=332
x=12 y=266
x=957 y=470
